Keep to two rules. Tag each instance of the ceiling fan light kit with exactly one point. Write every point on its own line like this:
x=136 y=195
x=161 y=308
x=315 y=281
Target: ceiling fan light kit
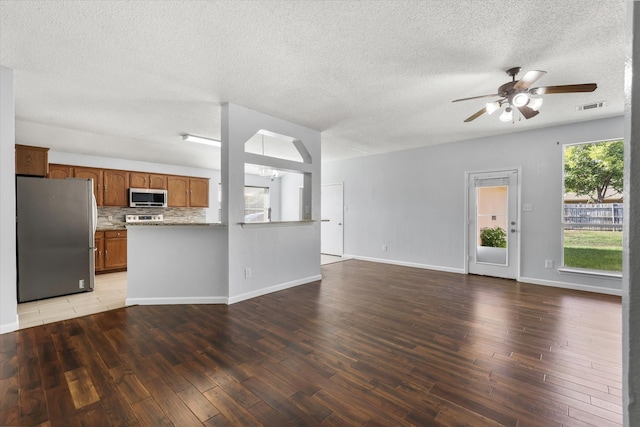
x=518 y=94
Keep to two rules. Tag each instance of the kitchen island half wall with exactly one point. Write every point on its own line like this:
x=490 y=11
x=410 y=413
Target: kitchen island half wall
x=177 y=264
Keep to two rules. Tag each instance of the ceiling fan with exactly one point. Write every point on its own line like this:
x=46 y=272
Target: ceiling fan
x=518 y=94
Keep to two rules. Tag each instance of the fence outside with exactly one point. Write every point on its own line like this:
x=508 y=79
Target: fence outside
x=597 y=216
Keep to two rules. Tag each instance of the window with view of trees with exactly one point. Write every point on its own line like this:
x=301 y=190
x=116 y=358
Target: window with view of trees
x=593 y=210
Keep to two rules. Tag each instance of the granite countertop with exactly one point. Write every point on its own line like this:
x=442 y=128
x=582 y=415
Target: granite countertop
x=166 y=223
x=111 y=227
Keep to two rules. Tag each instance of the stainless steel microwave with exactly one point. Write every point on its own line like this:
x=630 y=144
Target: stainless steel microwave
x=147 y=198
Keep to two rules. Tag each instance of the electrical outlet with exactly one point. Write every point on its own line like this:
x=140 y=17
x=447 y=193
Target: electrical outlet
x=384 y=248
x=548 y=263
x=81 y=283
x=247 y=273
x=110 y=218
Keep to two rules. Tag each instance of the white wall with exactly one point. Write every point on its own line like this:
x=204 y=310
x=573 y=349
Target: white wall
x=8 y=274
x=413 y=201
x=279 y=256
x=290 y=184
x=179 y=264
x=113 y=163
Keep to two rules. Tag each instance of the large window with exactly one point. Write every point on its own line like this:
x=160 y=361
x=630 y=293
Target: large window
x=592 y=209
x=256 y=204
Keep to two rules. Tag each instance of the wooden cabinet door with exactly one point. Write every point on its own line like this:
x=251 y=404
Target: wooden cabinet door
x=199 y=192
x=32 y=161
x=60 y=171
x=115 y=249
x=116 y=184
x=99 y=239
x=157 y=182
x=138 y=180
x=178 y=191
x=96 y=176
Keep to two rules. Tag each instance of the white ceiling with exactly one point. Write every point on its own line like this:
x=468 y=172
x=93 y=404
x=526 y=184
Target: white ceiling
x=126 y=78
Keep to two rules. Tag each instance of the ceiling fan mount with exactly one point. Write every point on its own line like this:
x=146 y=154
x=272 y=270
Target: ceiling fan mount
x=517 y=95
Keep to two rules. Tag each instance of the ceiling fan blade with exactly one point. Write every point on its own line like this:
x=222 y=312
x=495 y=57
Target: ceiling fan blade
x=475 y=97
x=476 y=115
x=528 y=112
x=528 y=79
x=584 y=87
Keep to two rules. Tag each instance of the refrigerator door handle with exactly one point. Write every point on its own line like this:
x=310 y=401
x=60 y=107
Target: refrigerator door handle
x=94 y=208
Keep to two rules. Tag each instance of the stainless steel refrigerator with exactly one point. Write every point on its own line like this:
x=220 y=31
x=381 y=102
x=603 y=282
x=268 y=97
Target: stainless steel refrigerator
x=55 y=225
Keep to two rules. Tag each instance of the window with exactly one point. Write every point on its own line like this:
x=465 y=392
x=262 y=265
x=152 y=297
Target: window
x=256 y=204
x=592 y=205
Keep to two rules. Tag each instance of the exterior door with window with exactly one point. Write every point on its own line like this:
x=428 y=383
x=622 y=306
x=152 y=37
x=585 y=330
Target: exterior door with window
x=493 y=224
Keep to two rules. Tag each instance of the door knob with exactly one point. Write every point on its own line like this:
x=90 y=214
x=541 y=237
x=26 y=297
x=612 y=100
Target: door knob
x=339 y=223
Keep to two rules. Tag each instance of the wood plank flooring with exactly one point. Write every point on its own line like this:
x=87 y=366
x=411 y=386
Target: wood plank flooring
x=369 y=345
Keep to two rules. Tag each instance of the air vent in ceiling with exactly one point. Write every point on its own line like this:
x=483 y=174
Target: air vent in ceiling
x=591 y=106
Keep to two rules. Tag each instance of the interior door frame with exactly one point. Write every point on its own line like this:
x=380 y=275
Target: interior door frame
x=518 y=169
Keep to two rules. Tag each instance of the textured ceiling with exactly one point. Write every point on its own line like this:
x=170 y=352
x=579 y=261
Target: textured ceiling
x=126 y=78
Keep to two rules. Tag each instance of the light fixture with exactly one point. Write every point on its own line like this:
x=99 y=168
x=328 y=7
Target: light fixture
x=201 y=140
x=535 y=103
x=520 y=100
x=492 y=107
x=265 y=171
x=507 y=114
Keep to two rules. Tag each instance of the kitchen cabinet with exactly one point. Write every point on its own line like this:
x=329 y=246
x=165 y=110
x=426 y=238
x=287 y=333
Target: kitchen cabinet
x=178 y=191
x=199 y=192
x=116 y=185
x=99 y=253
x=94 y=174
x=157 y=182
x=32 y=161
x=138 y=180
x=60 y=171
x=115 y=249
x=147 y=180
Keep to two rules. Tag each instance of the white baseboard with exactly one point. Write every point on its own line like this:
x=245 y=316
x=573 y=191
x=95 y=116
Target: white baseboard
x=175 y=300
x=5 y=328
x=573 y=286
x=275 y=288
x=407 y=264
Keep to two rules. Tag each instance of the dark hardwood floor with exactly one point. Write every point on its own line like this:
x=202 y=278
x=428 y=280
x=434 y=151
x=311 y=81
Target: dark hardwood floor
x=372 y=344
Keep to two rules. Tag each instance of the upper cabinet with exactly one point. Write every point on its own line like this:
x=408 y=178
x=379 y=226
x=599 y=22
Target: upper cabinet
x=94 y=174
x=32 y=161
x=111 y=186
x=147 y=180
x=178 y=191
x=157 y=182
x=116 y=185
x=198 y=192
x=60 y=171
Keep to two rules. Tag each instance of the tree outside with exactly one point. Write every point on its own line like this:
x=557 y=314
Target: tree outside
x=596 y=171
x=593 y=169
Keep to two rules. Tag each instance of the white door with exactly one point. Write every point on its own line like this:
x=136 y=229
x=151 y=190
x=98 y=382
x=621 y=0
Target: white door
x=332 y=212
x=493 y=224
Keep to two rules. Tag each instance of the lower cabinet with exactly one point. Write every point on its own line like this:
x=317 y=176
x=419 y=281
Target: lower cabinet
x=111 y=252
x=99 y=252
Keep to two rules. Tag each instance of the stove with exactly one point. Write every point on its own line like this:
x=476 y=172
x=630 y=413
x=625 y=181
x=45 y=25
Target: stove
x=143 y=218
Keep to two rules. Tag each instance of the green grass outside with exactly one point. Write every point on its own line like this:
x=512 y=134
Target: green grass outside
x=596 y=250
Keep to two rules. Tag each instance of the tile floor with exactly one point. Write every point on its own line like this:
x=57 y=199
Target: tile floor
x=109 y=292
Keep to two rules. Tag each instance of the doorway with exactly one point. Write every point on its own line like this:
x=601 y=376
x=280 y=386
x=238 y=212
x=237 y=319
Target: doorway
x=493 y=224
x=332 y=213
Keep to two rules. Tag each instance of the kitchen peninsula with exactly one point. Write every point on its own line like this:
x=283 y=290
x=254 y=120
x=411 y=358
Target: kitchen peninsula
x=177 y=263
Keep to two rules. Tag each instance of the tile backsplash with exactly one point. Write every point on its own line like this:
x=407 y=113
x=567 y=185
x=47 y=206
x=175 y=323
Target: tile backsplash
x=179 y=215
